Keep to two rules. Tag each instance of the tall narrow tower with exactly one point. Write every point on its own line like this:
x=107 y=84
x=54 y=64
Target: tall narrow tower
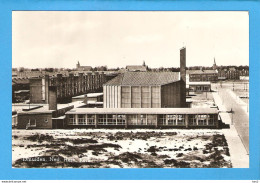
x=183 y=76
x=214 y=65
x=78 y=65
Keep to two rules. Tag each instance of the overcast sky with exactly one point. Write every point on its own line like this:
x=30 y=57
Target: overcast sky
x=59 y=39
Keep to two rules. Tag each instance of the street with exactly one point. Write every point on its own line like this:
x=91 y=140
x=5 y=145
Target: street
x=239 y=116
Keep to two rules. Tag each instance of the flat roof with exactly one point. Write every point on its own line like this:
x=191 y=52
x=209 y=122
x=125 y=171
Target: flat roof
x=44 y=107
x=94 y=94
x=88 y=95
x=61 y=117
x=201 y=72
x=79 y=96
x=142 y=111
x=199 y=83
x=94 y=102
x=22 y=91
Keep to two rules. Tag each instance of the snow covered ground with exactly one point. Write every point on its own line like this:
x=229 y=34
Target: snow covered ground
x=120 y=148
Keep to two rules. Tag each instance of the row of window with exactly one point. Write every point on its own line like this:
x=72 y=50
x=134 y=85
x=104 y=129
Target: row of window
x=142 y=119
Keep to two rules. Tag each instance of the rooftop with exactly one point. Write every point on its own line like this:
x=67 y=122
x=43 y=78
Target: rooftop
x=199 y=83
x=143 y=111
x=201 y=71
x=136 y=68
x=144 y=78
x=94 y=94
x=20 y=81
x=42 y=108
x=22 y=91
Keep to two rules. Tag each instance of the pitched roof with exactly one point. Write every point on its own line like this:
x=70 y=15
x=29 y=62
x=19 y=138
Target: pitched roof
x=144 y=78
x=136 y=68
x=201 y=72
x=20 y=81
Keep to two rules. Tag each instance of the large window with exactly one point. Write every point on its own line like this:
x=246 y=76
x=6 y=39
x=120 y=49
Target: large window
x=136 y=97
x=102 y=119
x=151 y=119
x=90 y=119
x=162 y=119
x=32 y=122
x=146 y=97
x=126 y=97
x=211 y=119
x=81 y=119
x=132 y=119
x=141 y=119
x=111 y=119
x=72 y=120
x=180 y=119
x=192 y=119
x=171 y=119
x=121 y=119
x=202 y=120
x=206 y=88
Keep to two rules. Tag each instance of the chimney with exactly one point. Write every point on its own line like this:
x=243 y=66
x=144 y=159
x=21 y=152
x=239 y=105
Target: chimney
x=52 y=98
x=183 y=64
x=183 y=76
x=46 y=88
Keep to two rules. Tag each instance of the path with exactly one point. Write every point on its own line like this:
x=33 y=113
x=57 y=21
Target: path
x=238 y=153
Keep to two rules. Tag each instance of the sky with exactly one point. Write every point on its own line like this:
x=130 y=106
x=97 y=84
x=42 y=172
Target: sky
x=59 y=39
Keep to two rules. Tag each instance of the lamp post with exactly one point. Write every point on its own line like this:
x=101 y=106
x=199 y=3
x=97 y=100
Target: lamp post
x=231 y=111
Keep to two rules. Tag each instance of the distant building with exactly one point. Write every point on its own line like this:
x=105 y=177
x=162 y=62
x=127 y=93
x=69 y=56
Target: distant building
x=19 y=84
x=145 y=99
x=144 y=90
x=137 y=68
x=244 y=78
x=200 y=86
x=43 y=116
x=67 y=86
x=202 y=75
x=83 y=68
x=90 y=99
x=147 y=89
x=214 y=67
x=131 y=99
x=21 y=95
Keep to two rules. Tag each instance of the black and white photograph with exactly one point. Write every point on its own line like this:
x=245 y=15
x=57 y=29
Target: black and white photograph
x=130 y=89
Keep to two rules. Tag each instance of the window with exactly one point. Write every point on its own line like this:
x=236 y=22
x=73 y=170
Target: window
x=102 y=119
x=121 y=119
x=90 y=119
x=141 y=119
x=192 y=119
x=111 y=119
x=171 y=119
x=180 y=119
x=72 y=120
x=162 y=119
x=211 y=119
x=81 y=119
x=32 y=122
x=202 y=120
